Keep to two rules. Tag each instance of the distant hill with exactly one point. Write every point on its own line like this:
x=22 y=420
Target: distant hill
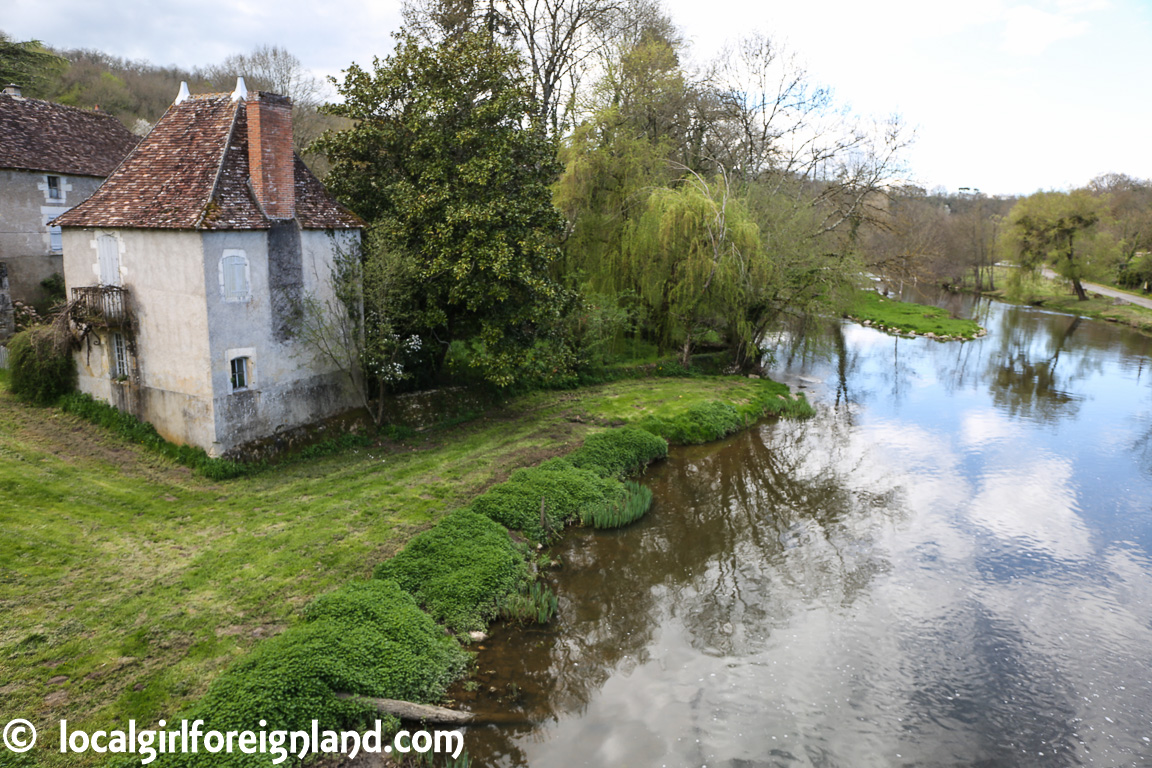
x=138 y=92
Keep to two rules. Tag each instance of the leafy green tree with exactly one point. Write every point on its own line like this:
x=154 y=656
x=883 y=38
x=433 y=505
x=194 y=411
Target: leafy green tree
x=1129 y=223
x=805 y=272
x=29 y=64
x=616 y=158
x=695 y=255
x=445 y=162
x=1057 y=228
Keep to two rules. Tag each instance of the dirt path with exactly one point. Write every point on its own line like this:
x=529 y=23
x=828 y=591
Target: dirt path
x=1104 y=290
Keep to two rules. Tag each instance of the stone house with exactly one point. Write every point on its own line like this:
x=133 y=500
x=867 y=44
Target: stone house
x=187 y=271
x=52 y=157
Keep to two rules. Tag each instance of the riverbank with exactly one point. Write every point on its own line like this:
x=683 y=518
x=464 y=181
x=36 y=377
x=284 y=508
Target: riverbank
x=950 y=558
x=910 y=319
x=1039 y=291
x=132 y=583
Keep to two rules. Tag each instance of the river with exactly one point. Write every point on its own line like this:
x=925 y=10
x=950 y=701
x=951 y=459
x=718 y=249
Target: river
x=949 y=565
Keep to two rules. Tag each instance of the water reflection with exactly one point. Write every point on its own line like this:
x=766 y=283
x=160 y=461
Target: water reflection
x=947 y=566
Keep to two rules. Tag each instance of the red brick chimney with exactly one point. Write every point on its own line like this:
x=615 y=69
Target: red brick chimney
x=270 y=159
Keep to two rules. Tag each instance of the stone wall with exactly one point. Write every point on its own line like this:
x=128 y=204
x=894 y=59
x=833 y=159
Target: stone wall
x=25 y=242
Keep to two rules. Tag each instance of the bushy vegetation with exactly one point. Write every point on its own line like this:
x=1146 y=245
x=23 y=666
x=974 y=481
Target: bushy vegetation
x=41 y=369
x=908 y=317
x=632 y=507
x=562 y=489
x=1136 y=273
x=713 y=420
x=367 y=638
x=459 y=571
x=619 y=452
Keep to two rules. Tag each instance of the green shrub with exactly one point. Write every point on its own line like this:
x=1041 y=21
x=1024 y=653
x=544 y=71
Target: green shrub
x=632 y=507
x=619 y=452
x=54 y=289
x=701 y=423
x=712 y=420
x=41 y=369
x=517 y=508
x=459 y=571
x=565 y=490
x=366 y=638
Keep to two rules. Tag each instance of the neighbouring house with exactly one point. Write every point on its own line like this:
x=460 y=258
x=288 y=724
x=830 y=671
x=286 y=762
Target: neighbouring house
x=187 y=271
x=51 y=158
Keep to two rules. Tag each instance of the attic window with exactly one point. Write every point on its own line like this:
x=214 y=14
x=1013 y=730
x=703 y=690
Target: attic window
x=54 y=188
x=235 y=282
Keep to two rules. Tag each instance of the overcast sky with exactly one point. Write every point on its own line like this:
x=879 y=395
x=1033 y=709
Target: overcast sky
x=1008 y=96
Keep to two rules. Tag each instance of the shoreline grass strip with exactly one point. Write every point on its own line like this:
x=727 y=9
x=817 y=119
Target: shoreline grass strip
x=908 y=317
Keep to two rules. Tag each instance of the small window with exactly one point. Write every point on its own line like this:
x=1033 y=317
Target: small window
x=234 y=276
x=119 y=356
x=240 y=373
x=54 y=188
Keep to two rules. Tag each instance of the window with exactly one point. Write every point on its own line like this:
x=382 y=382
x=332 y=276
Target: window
x=108 y=256
x=119 y=357
x=56 y=239
x=234 y=276
x=54 y=188
x=241 y=369
x=240 y=373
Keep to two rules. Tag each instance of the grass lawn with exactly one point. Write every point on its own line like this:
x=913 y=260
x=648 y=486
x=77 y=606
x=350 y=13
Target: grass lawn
x=127 y=583
x=906 y=317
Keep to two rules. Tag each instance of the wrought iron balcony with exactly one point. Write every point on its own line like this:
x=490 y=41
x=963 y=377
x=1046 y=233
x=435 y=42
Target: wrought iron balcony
x=104 y=306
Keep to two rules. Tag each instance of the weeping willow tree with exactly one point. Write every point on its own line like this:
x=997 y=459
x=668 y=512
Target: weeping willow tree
x=608 y=175
x=694 y=257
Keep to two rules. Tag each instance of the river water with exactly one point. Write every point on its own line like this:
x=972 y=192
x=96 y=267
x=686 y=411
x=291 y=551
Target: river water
x=951 y=564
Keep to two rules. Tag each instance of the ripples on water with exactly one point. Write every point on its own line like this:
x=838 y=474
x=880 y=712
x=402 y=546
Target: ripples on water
x=949 y=565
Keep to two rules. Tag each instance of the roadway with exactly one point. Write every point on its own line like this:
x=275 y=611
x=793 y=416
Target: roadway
x=1104 y=290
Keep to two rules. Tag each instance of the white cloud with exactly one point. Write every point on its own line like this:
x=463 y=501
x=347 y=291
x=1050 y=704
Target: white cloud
x=1030 y=31
x=1034 y=505
x=979 y=428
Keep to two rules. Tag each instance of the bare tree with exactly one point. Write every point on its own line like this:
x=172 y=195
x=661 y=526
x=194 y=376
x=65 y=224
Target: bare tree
x=776 y=127
x=275 y=69
x=558 y=39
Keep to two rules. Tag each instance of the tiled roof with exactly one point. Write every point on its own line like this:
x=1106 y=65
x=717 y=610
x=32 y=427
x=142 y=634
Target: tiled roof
x=38 y=135
x=191 y=172
x=315 y=208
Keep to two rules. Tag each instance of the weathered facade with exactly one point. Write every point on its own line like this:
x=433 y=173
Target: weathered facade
x=52 y=157
x=189 y=267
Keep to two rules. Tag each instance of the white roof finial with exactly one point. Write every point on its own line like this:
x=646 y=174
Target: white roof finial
x=241 y=92
x=183 y=96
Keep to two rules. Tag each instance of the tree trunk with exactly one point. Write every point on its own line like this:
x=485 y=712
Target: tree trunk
x=1076 y=286
x=406 y=710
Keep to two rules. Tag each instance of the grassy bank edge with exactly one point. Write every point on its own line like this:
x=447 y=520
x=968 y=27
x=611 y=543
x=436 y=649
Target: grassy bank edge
x=910 y=318
x=1057 y=296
